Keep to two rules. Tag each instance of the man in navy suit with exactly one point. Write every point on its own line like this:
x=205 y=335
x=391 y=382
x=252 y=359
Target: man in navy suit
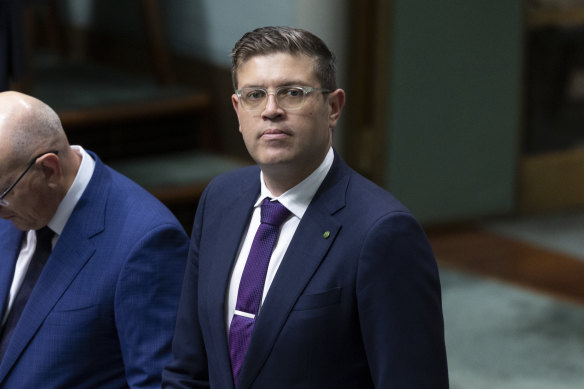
x=351 y=296
x=102 y=311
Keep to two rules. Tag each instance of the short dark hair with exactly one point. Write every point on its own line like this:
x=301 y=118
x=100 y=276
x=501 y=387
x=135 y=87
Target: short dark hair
x=270 y=40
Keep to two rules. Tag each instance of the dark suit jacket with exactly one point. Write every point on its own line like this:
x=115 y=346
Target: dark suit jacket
x=360 y=308
x=102 y=313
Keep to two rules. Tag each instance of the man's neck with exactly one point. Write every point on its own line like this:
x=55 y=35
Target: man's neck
x=281 y=179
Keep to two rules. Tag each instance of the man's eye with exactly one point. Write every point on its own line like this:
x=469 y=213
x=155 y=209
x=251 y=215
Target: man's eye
x=257 y=94
x=290 y=92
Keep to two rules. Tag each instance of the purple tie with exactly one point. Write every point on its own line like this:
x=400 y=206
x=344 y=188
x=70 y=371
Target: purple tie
x=251 y=287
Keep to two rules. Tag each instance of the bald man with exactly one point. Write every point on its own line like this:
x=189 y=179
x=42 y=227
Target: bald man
x=100 y=311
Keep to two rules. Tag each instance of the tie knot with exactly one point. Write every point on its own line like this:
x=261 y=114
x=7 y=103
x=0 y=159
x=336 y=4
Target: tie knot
x=44 y=235
x=273 y=212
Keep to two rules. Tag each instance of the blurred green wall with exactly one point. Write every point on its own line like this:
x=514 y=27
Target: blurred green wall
x=454 y=107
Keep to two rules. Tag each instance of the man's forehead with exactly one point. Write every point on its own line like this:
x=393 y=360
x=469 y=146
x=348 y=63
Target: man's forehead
x=7 y=157
x=278 y=55
x=5 y=151
x=13 y=106
x=15 y=98
x=280 y=68
x=12 y=111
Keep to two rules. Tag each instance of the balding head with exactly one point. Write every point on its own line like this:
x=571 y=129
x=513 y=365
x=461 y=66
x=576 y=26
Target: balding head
x=28 y=127
x=31 y=131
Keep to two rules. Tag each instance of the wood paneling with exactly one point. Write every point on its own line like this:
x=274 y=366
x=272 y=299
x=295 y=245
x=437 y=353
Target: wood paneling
x=493 y=255
x=551 y=181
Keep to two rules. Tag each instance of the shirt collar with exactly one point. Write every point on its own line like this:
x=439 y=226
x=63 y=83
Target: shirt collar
x=65 y=209
x=297 y=199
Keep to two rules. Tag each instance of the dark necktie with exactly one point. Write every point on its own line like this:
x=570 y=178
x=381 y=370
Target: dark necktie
x=251 y=287
x=37 y=262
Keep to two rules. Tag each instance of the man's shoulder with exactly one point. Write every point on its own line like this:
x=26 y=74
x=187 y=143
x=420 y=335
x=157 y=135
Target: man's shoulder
x=364 y=194
x=123 y=188
x=6 y=226
x=235 y=180
x=359 y=188
x=237 y=176
x=127 y=199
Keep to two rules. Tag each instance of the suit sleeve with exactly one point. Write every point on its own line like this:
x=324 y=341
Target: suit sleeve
x=189 y=366
x=146 y=303
x=400 y=311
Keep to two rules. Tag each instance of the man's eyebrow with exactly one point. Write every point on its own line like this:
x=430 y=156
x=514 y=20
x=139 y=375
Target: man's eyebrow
x=293 y=83
x=284 y=83
x=251 y=86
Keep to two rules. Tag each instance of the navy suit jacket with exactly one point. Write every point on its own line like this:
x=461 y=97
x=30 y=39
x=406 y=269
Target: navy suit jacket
x=357 y=307
x=102 y=312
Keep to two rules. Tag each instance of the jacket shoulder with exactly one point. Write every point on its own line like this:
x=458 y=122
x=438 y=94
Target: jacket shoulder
x=233 y=182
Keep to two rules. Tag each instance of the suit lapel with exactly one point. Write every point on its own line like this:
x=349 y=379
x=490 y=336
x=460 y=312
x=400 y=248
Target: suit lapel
x=306 y=251
x=72 y=251
x=9 y=249
x=235 y=218
x=61 y=268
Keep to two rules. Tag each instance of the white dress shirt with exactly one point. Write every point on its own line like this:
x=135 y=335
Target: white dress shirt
x=57 y=223
x=296 y=200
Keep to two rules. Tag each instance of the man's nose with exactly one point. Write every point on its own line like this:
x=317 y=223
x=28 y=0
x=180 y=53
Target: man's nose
x=272 y=106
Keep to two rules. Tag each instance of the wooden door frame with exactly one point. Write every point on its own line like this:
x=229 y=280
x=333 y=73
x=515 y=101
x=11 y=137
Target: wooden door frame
x=551 y=181
x=367 y=120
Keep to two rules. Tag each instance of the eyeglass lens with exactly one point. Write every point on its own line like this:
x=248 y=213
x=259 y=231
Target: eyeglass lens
x=286 y=97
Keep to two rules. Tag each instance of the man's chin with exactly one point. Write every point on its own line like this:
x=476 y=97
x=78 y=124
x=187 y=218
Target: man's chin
x=274 y=163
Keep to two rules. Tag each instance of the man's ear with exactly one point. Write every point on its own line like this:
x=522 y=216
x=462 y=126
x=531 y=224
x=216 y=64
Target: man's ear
x=235 y=103
x=51 y=168
x=336 y=101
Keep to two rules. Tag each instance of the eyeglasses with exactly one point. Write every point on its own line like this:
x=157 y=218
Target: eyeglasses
x=287 y=97
x=30 y=164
